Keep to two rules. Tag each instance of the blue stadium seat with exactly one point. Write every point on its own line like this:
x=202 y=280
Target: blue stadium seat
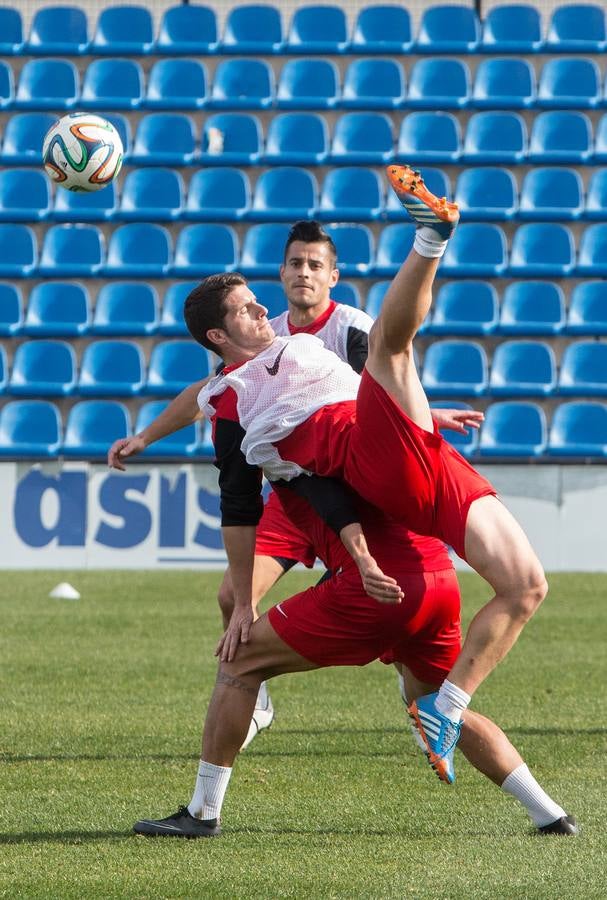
x=495 y=137
x=18 y=251
x=187 y=30
x=174 y=365
x=455 y=369
x=181 y=444
x=217 y=194
x=439 y=84
x=204 y=249
x=30 y=428
x=308 y=84
x=561 y=137
x=72 y=251
x=351 y=194
x=542 y=249
x=25 y=195
x=592 y=259
x=123 y=29
x=354 y=249
x=297 y=139
x=375 y=297
x=512 y=29
x=3 y=370
x=448 y=29
x=486 y=194
x=523 y=369
x=551 y=193
x=596 y=198
x=126 y=308
x=92 y=427
x=465 y=308
x=513 y=428
x=263 y=249
x=477 y=250
x=382 y=29
x=48 y=84
x=177 y=84
x=306 y=35
x=7 y=86
x=11 y=31
x=252 y=29
x=112 y=84
x=164 y=139
x=435 y=179
x=577 y=28
x=362 y=138
x=88 y=206
x=172 y=322
x=58 y=309
x=584 y=369
x=271 y=295
x=600 y=140
x=58 y=30
x=284 y=193
x=588 y=309
x=373 y=84
x=243 y=84
x=579 y=428
x=122 y=125
x=504 y=83
x=347 y=293
x=466 y=444
x=152 y=195
x=532 y=307
x=241 y=140
x=428 y=138
x=393 y=245
x=43 y=368
x=569 y=84
x=139 y=250
x=11 y=309
x=112 y=368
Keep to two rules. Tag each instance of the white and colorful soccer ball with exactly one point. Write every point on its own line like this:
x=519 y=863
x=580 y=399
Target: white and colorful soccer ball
x=82 y=152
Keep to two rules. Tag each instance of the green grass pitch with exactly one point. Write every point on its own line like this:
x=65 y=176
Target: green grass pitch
x=102 y=702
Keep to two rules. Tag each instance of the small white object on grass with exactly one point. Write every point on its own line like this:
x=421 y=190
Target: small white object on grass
x=64 y=591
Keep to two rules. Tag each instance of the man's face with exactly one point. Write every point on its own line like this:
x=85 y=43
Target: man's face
x=246 y=330
x=308 y=274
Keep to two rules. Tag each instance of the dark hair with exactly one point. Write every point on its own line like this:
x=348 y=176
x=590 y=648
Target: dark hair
x=310 y=232
x=204 y=305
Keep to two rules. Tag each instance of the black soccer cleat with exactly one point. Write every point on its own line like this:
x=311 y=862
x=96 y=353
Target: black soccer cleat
x=564 y=825
x=181 y=824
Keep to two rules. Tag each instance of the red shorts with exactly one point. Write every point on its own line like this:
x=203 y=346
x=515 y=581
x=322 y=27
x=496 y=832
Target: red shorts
x=337 y=624
x=277 y=536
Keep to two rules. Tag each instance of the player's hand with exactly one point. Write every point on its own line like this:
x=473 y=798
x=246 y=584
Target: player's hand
x=377 y=585
x=235 y=634
x=458 y=419
x=122 y=449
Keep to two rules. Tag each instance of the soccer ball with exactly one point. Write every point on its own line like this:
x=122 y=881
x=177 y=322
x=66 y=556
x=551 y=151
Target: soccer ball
x=82 y=152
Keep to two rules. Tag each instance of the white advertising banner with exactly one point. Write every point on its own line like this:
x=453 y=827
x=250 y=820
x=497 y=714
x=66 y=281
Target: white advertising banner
x=65 y=515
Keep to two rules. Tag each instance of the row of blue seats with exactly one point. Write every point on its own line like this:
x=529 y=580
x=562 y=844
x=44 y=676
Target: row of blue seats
x=369 y=83
x=145 y=250
x=64 y=309
x=512 y=429
x=451 y=368
x=259 y=29
x=291 y=192
x=422 y=138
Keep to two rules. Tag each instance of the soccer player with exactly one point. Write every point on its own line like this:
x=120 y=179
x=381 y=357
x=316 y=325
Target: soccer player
x=308 y=273
x=293 y=409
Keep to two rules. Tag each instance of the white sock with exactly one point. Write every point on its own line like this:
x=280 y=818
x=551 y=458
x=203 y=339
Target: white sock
x=429 y=243
x=262 y=697
x=452 y=701
x=209 y=791
x=522 y=785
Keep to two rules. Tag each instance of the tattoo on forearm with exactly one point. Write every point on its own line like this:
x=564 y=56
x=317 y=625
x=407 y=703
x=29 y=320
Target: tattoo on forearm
x=232 y=681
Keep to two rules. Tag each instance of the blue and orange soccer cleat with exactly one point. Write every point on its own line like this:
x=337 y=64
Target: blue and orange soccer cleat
x=424 y=207
x=439 y=734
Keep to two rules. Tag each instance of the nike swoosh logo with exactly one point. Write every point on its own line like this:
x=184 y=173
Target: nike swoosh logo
x=273 y=369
